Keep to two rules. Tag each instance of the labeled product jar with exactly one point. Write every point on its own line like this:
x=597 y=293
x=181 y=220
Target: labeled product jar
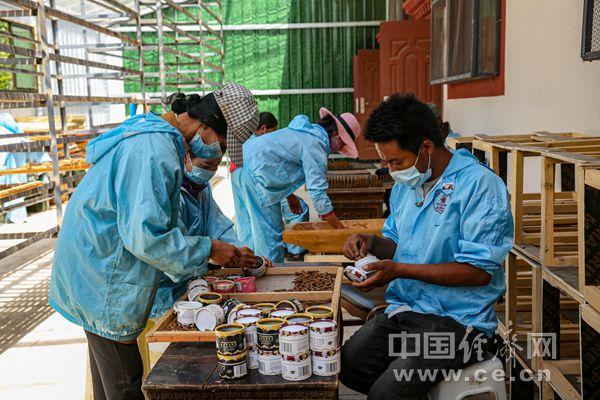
x=281 y=313
x=299 y=318
x=211 y=280
x=326 y=363
x=233 y=277
x=320 y=312
x=265 y=309
x=230 y=339
x=293 y=339
x=209 y=298
x=296 y=367
x=229 y=305
x=252 y=360
x=232 y=367
x=259 y=269
x=290 y=304
x=233 y=314
x=224 y=286
x=186 y=312
x=323 y=335
x=249 y=311
x=209 y=317
x=246 y=284
x=196 y=291
x=249 y=329
x=267 y=330
x=357 y=273
x=197 y=282
x=269 y=362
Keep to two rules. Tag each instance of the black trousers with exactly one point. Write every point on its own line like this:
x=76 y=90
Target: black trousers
x=380 y=365
x=116 y=369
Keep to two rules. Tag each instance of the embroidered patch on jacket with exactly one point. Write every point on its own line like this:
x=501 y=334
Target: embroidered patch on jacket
x=448 y=187
x=441 y=200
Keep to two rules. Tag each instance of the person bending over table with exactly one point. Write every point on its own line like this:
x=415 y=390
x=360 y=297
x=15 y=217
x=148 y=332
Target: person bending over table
x=441 y=253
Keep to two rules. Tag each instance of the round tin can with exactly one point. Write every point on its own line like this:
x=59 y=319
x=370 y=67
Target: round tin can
x=246 y=284
x=323 y=335
x=197 y=282
x=249 y=311
x=269 y=362
x=232 y=367
x=209 y=298
x=196 y=291
x=281 y=313
x=290 y=304
x=293 y=339
x=233 y=277
x=267 y=330
x=296 y=367
x=186 y=311
x=249 y=329
x=229 y=305
x=265 y=309
x=252 y=360
x=233 y=314
x=211 y=280
x=320 y=312
x=259 y=269
x=224 y=286
x=355 y=274
x=370 y=259
x=299 y=318
x=230 y=339
x=326 y=363
x=209 y=317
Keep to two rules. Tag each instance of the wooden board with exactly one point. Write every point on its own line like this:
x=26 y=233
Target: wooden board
x=276 y=278
x=320 y=237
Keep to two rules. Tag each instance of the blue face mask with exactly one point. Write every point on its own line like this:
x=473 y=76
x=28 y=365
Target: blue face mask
x=203 y=150
x=199 y=176
x=411 y=176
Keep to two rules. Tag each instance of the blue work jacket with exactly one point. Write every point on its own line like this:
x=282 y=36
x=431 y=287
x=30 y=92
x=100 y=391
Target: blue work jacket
x=120 y=231
x=465 y=218
x=284 y=160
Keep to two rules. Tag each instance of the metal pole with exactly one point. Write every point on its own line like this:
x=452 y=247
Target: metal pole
x=45 y=64
x=87 y=69
x=201 y=45
x=141 y=53
x=222 y=44
x=161 y=56
x=59 y=78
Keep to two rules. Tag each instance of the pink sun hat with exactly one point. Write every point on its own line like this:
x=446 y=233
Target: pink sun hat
x=348 y=129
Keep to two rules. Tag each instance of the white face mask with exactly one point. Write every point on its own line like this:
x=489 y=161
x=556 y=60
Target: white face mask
x=411 y=176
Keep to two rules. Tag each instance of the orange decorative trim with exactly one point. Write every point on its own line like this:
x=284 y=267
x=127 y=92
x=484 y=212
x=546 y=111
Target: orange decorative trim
x=418 y=9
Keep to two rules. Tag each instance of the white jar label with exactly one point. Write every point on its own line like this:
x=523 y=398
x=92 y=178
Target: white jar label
x=292 y=347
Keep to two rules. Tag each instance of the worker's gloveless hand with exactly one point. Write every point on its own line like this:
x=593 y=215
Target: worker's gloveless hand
x=386 y=271
x=225 y=254
x=247 y=258
x=358 y=246
x=294 y=204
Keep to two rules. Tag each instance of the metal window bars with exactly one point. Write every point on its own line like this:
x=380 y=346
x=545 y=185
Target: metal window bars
x=190 y=56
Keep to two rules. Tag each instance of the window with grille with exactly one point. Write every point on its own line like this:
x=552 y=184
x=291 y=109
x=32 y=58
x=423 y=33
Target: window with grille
x=465 y=40
x=590 y=48
x=15 y=34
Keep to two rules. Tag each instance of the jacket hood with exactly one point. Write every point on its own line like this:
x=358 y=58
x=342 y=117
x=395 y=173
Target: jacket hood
x=302 y=123
x=136 y=125
x=460 y=159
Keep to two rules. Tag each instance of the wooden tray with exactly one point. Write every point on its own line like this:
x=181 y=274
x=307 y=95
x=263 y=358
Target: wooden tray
x=276 y=278
x=320 y=237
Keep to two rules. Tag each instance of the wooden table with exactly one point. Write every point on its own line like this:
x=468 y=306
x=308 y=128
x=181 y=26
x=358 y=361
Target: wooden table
x=190 y=371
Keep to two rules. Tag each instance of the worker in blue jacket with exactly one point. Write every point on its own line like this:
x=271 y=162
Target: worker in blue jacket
x=441 y=255
x=279 y=163
x=120 y=232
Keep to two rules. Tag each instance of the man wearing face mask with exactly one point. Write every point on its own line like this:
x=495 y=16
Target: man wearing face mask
x=121 y=234
x=441 y=253
x=279 y=163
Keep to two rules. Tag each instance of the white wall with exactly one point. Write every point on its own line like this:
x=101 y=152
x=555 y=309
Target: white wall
x=548 y=87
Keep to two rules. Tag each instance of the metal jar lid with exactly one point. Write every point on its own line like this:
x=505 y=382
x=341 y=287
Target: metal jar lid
x=295 y=357
x=323 y=326
x=293 y=330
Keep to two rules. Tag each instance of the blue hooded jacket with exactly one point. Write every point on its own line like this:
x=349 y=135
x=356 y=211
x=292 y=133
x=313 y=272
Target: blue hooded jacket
x=120 y=231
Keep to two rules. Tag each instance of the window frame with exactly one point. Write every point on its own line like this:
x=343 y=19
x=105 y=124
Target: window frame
x=588 y=20
x=11 y=40
x=474 y=74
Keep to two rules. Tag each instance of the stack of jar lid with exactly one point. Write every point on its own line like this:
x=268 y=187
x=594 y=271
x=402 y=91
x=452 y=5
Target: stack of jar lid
x=356 y=272
x=232 y=351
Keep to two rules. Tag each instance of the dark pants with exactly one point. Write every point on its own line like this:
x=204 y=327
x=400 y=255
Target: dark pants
x=368 y=365
x=116 y=369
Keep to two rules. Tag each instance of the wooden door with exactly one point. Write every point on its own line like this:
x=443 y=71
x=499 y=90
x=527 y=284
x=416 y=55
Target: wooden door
x=366 y=96
x=404 y=60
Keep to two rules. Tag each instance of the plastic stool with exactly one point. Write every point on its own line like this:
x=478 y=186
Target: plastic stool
x=475 y=379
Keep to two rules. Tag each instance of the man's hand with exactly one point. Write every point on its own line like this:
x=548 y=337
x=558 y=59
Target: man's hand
x=294 y=204
x=386 y=271
x=247 y=258
x=358 y=246
x=224 y=254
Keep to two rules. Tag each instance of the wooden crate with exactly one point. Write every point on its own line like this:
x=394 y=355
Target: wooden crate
x=320 y=237
x=276 y=278
x=589 y=235
x=461 y=142
x=590 y=352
